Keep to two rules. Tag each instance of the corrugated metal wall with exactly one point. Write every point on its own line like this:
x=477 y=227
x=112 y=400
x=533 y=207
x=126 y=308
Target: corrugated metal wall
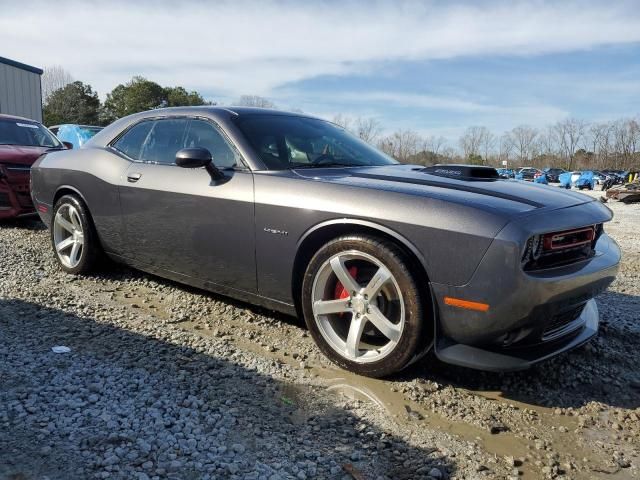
x=20 y=92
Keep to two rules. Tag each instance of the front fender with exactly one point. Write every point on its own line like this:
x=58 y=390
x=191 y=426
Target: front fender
x=361 y=223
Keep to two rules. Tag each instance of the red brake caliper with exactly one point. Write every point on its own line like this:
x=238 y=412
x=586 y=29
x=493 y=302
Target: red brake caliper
x=342 y=292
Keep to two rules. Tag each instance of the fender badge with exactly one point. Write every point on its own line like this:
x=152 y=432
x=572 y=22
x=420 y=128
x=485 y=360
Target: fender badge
x=276 y=231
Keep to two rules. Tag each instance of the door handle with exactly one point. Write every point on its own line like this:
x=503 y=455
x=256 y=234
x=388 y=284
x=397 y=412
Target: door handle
x=133 y=177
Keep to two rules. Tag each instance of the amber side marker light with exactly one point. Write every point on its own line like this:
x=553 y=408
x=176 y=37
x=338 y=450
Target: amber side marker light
x=458 y=302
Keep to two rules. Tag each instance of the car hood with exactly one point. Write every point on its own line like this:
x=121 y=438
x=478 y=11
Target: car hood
x=20 y=155
x=502 y=194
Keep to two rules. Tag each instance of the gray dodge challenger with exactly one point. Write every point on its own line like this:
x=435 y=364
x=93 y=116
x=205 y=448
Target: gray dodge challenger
x=384 y=261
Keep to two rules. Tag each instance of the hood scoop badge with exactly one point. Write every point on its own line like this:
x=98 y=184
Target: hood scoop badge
x=463 y=172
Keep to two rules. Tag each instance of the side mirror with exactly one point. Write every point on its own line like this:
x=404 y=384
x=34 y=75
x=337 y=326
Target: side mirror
x=69 y=145
x=198 y=157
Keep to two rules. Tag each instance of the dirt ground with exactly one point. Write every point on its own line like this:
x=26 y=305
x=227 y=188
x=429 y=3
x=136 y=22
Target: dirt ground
x=165 y=381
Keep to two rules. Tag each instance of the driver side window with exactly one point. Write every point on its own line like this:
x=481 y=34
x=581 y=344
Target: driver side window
x=164 y=140
x=203 y=134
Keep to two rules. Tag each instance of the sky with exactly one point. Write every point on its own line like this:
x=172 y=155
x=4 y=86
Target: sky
x=435 y=67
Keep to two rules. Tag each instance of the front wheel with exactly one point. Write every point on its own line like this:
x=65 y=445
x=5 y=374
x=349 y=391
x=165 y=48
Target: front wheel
x=363 y=306
x=73 y=237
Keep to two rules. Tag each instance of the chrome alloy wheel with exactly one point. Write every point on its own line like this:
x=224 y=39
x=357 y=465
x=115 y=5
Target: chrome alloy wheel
x=358 y=306
x=68 y=236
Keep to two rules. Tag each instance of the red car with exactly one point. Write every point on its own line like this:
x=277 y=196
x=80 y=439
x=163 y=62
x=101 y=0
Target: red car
x=22 y=141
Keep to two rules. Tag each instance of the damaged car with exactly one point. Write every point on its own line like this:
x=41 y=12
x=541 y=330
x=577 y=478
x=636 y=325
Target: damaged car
x=384 y=261
x=22 y=141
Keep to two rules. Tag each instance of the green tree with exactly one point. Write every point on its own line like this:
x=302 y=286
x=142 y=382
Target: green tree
x=137 y=95
x=73 y=103
x=179 y=97
x=474 y=159
x=141 y=94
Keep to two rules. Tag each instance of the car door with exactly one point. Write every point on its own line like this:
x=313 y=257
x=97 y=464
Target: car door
x=178 y=219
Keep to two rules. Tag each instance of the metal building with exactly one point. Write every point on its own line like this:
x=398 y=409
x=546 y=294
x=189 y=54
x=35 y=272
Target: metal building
x=20 y=89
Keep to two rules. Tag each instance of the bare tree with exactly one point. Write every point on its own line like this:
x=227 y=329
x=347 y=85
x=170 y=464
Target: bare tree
x=601 y=136
x=254 y=101
x=505 y=148
x=487 y=143
x=523 y=141
x=368 y=129
x=344 y=121
x=54 y=78
x=626 y=134
x=471 y=141
x=570 y=133
x=434 y=144
x=634 y=142
x=571 y=143
x=402 y=145
x=448 y=153
x=548 y=142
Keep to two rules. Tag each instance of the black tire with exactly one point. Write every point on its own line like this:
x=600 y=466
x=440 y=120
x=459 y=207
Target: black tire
x=417 y=334
x=91 y=250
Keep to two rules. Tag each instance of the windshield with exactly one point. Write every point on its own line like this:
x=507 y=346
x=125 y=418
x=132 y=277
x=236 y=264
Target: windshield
x=25 y=133
x=289 y=141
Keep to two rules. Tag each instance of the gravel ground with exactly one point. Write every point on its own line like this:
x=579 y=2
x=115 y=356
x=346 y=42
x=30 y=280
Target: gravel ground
x=164 y=381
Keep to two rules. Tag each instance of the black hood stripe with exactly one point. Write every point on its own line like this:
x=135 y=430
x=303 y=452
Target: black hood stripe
x=450 y=186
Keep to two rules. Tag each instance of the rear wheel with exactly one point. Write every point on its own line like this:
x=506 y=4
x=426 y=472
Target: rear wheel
x=363 y=307
x=73 y=236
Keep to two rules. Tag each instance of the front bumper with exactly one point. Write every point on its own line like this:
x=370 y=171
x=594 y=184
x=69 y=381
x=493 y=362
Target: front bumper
x=532 y=315
x=519 y=358
x=14 y=199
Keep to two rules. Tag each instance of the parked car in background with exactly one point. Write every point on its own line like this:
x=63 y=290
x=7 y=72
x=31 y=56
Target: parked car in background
x=600 y=177
x=587 y=180
x=565 y=180
x=528 y=173
x=575 y=175
x=541 y=179
x=384 y=261
x=616 y=175
x=77 y=135
x=22 y=141
x=619 y=176
x=553 y=174
x=506 y=172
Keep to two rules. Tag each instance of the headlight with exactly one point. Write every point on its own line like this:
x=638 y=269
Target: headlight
x=536 y=247
x=532 y=249
x=561 y=247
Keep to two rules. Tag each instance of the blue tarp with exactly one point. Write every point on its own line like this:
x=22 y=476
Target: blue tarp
x=542 y=179
x=586 y=180
x=505 y=172
x=565 y=179
x=78 y=135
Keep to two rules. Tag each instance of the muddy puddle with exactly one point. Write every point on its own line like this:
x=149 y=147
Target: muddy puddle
x=410 y=415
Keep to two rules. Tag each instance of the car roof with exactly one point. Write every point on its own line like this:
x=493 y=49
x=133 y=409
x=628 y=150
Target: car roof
x=4 y=116
x=221 y=114
x=218 y=111
x=75 y=125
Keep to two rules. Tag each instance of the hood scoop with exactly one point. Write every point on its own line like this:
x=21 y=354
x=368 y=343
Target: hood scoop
x=463 y=172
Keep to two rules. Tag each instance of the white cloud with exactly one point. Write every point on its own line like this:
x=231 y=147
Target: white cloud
x=254 y=47
x=425 y=110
